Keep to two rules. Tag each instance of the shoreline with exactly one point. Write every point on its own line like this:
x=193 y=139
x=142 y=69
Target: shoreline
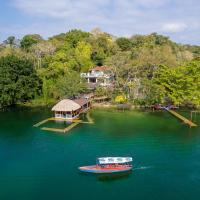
x=103 y=105
x=133 y=107
x=110 y=105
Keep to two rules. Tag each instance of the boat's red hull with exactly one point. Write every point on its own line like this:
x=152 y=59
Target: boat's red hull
x=97 y=169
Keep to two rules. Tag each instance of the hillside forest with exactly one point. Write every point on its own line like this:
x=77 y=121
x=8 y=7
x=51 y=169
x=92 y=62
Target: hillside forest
x=147 y=69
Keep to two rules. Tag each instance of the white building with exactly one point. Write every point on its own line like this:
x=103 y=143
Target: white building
x=99 y=76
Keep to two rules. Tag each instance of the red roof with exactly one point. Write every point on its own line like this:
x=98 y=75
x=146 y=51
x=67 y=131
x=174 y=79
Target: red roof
x=101 y=68
x=81 y=102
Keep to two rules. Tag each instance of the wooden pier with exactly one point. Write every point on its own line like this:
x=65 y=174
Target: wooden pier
x=185 y=120
x=61 y=130
x=53 y=129
x=42 y=122
x=55 y=119
x=71 y=126
x=90 y=120
x=74 y=123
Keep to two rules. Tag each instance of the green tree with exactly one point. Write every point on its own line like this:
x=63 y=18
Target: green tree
x=75 y=36
x=98 y=56
x=29 y=40
x=124 y=43
x=70 y=85
x=103 y=46
x=11 y=41
x=181 y=84
x=123 y=69
x=18 y=81
x=83 y=56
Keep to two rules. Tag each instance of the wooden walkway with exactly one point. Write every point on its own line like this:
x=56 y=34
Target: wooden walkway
x=42 y=122
x=90 y=120
x=74 y=122
x=71 y=126
x=55 y=119
x=185 y=120
x=61 y=130
x=53 y=129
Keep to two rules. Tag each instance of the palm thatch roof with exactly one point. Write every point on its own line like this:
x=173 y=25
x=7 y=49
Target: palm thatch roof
x=66 y=105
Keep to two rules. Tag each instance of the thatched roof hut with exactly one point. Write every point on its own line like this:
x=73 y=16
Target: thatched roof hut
x=66 y=105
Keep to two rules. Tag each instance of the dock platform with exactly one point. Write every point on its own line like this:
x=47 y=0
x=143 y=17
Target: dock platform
x=74 y=123
x=90 y=120
x=53 y=129
x=61 y=130
x=55 y=119
x=41 y=122
x=185 y=120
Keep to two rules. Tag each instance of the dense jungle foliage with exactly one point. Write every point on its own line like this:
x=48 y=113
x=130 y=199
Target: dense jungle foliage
x=148 y=69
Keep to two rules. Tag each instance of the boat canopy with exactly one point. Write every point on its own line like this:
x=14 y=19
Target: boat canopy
x=112 y=160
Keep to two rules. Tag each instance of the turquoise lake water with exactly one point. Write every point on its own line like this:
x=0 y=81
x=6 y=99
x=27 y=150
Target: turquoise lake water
x=36 y=164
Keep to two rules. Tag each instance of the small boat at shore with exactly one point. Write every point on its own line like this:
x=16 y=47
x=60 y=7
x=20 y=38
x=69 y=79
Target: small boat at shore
x=109 y=165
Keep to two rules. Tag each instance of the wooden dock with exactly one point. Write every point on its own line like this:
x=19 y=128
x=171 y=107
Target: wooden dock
x=185 y=120
x=55 y=119
x=42 y=122
x=74 y=123
x=71 y=127
x=53 y=129
x=90 y=120
x=61 y=130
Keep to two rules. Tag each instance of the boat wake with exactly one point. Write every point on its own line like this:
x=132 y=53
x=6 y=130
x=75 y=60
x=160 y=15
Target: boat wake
x=143 y=168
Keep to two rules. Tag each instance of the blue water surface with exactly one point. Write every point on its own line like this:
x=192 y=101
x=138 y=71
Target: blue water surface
x=36 y=164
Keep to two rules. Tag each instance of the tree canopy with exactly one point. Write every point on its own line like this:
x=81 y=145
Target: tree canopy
x=28 y=40
x=147 y=68
x=18 y=81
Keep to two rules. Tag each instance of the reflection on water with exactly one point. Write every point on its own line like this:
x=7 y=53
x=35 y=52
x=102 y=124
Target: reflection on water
x=113 y=176
x=108 y=176
x=57 y=124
